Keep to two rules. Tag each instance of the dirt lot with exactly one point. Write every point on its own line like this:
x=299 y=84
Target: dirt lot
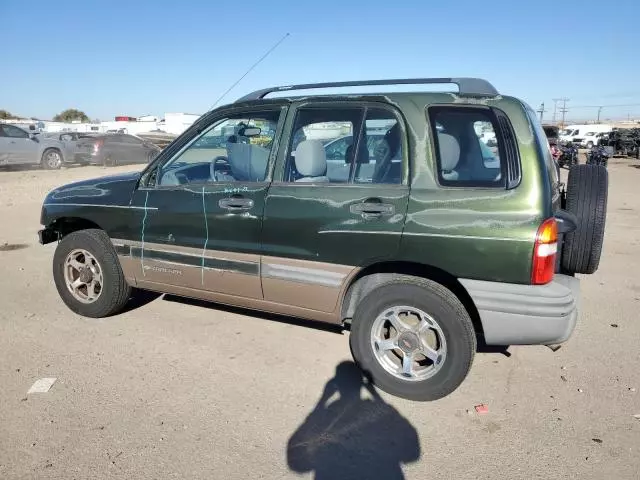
x=176 y=389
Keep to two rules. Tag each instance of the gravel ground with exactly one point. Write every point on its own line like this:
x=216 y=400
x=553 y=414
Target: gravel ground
x=177 y=389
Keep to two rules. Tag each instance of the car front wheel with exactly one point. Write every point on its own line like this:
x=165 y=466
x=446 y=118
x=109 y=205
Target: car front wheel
x=88 y=275
x=414 y=338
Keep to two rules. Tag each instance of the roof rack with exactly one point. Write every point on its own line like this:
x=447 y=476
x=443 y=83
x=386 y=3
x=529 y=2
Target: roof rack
x=466 y=85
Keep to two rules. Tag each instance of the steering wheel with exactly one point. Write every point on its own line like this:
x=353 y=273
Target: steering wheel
x=219 y=166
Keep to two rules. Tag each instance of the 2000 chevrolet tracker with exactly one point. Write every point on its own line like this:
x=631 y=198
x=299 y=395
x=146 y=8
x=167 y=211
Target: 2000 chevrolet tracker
x=426 y=220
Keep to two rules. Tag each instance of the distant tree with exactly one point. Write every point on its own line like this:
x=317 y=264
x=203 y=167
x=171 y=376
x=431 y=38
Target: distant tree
x=4 y=115
x=70 y=115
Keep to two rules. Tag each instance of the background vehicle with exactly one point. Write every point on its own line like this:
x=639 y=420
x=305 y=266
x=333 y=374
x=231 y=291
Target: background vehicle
x=568 y=155
x=18 y=147
x=625 y=142
x=69 y=142
x=552 y=132
x=598 y=155
x=422 y=243
x=583 y=135
x=114 y=149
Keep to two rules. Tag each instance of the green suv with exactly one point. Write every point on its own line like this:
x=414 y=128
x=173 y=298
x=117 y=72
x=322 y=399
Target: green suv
x=424 y=244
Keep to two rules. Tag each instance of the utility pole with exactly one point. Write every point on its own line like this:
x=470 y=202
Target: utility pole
x=555 y=108
x=541 y=110
x=563 y=110
x=599 y=110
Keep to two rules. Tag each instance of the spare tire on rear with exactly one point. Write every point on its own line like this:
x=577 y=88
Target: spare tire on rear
x=587 y=190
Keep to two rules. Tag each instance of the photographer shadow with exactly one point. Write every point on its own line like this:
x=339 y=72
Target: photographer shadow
x=353 y=437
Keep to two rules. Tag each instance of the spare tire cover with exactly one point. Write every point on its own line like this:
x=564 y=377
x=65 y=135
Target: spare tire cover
x=587 y=190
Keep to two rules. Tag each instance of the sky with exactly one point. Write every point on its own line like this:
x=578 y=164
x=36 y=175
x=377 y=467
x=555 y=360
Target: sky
x=135 y=58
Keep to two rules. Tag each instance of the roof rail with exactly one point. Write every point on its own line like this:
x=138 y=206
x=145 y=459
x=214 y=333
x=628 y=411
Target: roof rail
x=466 y=85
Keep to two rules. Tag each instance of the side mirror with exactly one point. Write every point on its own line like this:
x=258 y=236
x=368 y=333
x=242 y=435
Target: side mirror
x=33 y=137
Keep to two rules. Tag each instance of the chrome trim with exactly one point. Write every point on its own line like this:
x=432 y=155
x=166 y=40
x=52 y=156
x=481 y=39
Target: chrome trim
x=440 y=235
x=313 y=276
x=133 y=207
x=243 y=258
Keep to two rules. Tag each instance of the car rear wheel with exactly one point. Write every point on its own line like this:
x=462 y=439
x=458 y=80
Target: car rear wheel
x=51 y=159
x=88 y=275
x=587 y=192
x=414 y=338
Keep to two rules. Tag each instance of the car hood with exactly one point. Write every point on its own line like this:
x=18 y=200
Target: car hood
x=109 y=190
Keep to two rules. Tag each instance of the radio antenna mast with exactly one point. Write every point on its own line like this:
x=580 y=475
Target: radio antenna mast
x=250 y=68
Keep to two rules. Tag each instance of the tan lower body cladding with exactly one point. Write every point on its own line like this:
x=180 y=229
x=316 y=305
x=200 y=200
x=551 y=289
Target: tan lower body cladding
x=280 y=285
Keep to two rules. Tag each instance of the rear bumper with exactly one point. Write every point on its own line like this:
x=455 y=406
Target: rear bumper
x=514 y=314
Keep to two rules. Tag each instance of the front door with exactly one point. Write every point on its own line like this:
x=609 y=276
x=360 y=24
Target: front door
x=20 y=148
x=203 y=208
x=325 y=218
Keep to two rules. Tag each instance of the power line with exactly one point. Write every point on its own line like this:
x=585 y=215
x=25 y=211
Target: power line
x=608 y=106
x=250 y=68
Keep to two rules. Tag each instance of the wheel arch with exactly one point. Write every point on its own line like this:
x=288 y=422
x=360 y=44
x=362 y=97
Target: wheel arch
x=374 y=275
x=52 y=147
x=63 y=226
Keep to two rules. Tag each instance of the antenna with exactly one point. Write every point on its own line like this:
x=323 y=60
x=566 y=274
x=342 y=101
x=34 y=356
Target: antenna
x=250 y=68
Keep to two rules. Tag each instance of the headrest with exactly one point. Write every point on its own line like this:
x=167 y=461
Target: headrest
x=449 y=151
x=363 y=153
x=311 y=160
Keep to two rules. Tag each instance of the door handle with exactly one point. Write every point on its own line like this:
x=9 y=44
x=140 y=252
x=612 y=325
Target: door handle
x=235 y=203
x=371 y=208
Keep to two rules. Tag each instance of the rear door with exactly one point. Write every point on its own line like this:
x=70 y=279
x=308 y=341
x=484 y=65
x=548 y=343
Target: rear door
x=133 y=149
x=319 y=229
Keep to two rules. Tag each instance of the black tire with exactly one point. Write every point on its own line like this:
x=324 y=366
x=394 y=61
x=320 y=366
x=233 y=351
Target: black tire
x=115 y=289
x=433 y=299
x=46 y=162
x=587 y=191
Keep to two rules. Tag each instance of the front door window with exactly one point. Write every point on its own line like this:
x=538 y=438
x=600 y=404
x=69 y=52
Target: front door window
x=234 y=149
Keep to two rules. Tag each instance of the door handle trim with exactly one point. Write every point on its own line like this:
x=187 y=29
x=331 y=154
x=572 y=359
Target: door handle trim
x=373 y=208
x=231 y=203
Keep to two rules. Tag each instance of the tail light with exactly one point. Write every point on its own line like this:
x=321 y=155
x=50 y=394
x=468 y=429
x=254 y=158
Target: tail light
x=97 y=145
x=544 y=252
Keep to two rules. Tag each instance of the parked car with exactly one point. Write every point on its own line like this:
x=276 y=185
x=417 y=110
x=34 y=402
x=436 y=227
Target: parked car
x=19 y=147
x=584 y=135
x=421 y=256
x=115 y=149
x=69 y=142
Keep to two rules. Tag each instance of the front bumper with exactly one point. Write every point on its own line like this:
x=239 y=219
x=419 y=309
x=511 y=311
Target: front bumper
x=514 y=314
x=47 y=235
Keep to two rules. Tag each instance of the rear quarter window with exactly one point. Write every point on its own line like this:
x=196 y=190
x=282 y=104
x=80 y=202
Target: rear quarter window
x=469 y=147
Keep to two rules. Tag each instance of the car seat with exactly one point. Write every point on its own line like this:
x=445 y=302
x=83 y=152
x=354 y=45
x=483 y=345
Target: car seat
x=311 y=162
